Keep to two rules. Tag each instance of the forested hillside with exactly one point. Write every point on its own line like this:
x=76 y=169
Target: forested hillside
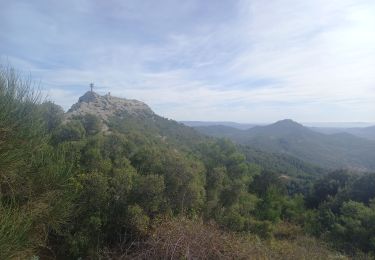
x=110 y=179
x=341 y=150
x=364 y=132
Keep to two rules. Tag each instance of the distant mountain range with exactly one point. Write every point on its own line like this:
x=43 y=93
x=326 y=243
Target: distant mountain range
x=364 y=130
x=334 y=150
x=129 y=116
x=286 y=137
x=217 y=123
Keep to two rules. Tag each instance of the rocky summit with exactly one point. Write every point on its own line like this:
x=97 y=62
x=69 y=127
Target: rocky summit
x=107 y=106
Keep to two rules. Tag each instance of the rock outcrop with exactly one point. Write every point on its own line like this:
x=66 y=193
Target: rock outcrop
x=107 y=106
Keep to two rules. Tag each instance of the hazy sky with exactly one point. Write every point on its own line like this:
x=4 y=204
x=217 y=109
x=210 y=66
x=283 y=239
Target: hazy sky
x=245 y=61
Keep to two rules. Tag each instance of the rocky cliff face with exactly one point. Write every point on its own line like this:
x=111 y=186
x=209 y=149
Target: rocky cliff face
x=107 y=106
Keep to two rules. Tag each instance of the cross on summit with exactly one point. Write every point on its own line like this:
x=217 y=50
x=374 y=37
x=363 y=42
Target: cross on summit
x=91 y=86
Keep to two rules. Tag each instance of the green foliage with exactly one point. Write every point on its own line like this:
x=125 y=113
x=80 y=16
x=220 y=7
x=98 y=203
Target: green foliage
x=294 y=209
x=270 y=207
x=328 y=186
x=149 y=193
x=91 y=123
x=34 y=177
x=15 y=233
x=20 y=123
x=71 y=188
x=72 y=131
x=184 y=184
x=52 y=115
x=345 y=213
x=266 y=180
x=138 y=220
x=362 y=189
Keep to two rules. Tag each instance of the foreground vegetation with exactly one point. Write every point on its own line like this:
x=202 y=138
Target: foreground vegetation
x=152 y=188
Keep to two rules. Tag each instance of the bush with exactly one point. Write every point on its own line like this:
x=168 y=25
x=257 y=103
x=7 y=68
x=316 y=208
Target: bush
x=92 y=124
x=16 y=239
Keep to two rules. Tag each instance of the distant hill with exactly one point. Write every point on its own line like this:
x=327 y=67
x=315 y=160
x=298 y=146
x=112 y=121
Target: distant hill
x=241 y=126
x=224 y=128
x=339 y=150
x=364 y=132
x=133 y=116
x=220 y=131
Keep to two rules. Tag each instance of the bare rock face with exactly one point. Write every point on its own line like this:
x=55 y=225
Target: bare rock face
x=107 y=106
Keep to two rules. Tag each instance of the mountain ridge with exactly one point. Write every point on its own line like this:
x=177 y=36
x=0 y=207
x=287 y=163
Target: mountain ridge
x=291 y=138
x=285 y=136
x=364 y=132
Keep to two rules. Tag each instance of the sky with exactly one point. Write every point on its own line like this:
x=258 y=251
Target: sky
x=227 y=60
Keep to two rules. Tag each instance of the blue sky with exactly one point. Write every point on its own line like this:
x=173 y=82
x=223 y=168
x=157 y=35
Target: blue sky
x=244 y=61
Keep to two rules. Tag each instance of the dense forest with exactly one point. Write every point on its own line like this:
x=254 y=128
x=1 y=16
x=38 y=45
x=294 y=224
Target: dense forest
x=146 y=187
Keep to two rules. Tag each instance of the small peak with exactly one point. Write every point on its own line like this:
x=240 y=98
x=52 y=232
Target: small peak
x=288 y=123
x=89 y=96
x=106 y=106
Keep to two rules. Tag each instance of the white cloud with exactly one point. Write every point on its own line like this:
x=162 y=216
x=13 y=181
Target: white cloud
x=308 y=60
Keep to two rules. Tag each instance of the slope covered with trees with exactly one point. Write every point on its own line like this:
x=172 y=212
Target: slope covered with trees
x=341 y=150
x=136 y=185
x=364 y=132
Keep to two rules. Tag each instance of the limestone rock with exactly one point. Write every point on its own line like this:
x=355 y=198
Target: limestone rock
x=107 y=106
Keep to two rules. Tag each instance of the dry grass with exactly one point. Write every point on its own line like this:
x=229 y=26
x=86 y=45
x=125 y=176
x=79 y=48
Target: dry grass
x=186 y=239
x=301 y=248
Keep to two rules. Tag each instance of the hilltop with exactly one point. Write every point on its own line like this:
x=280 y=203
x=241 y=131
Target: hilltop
x=106 y=106
x=292 y=138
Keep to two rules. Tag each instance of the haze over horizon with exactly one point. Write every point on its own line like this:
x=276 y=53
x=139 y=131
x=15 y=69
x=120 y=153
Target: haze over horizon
x=244 y=125
x=241 y=61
